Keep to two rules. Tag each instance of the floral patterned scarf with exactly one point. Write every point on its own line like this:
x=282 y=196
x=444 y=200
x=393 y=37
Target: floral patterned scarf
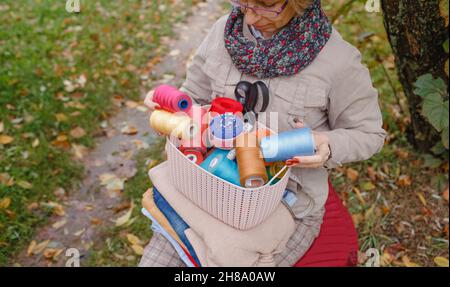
x=288 y=52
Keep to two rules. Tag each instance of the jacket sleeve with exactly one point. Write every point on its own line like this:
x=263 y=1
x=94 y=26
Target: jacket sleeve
x=354 y=116
x=197 y=84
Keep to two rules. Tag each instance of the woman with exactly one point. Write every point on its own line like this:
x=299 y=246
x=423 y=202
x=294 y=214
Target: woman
x=315 y=79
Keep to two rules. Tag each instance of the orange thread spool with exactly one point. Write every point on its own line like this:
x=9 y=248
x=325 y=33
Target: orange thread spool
x=262 y=133
x=252 y=170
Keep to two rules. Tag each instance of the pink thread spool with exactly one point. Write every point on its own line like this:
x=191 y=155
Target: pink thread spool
x=171 y=99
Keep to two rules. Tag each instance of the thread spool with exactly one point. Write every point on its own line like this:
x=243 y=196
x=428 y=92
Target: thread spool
x=224 y=129
x=194 y=155
x=261 y=133
x=199 y=141
x=275 y=167
x=176 y=125
x=171 y=99
x=286 y=145
x=252 y=170
x=218 y=164
x=222 y=105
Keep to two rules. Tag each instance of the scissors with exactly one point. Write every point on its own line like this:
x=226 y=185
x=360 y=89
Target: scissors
x=254 y=97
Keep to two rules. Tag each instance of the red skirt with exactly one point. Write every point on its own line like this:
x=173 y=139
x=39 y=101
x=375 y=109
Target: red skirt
x=337 y=243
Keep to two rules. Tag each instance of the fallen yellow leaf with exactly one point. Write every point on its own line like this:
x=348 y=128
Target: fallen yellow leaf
x=358 y=194
x=79 y=232
x=31 y=247
x=441 y=261
x=60 y=117
x=24 y=184
x=5 y=202
x=386 y=259
x=35 y=143
x=133 y=239
x=78 y=132
x=6 y=139
x=79 y=151
x=131 y=104
x=129 y=130
x=50 y=253
x=38 y=248
x=404 y=180
x=139 y=250
x=126 y=217
x=408 y=263
x=6 y=179
x=352 y=174
x=59 y=224
x=422 y=198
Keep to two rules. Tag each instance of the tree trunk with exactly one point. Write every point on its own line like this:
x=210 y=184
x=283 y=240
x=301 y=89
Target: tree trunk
x=417 y=30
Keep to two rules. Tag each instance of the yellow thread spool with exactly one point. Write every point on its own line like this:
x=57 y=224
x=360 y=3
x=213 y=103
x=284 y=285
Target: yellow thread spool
x=275 y=167
x=176 y=125
x=252 y=170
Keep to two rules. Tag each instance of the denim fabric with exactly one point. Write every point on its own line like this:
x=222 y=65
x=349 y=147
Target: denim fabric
x=178 y=224
x=289 y=197
x=157 y=228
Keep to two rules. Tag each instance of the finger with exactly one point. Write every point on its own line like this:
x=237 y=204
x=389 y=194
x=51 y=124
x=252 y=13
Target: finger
x=299 y=124
x=148 y=101
x=323 y=151
x=309 y=159
x=305 y=165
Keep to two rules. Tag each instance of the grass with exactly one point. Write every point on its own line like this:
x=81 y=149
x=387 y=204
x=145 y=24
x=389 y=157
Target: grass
x=58 y=74
x=117 y=250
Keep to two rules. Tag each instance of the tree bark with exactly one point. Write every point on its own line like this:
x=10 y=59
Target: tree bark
x=417 y=30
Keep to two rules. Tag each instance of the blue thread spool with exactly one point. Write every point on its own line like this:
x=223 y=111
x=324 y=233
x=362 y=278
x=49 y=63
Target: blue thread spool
x=224 y=129
x=286 y=145
x=218 y=164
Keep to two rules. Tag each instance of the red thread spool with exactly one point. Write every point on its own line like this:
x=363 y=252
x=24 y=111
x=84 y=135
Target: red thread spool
x=171 y=99
x=194 y=155
x=224 y=105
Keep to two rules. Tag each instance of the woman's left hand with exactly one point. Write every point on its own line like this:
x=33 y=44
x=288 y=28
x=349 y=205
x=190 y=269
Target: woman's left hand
x=314 y=161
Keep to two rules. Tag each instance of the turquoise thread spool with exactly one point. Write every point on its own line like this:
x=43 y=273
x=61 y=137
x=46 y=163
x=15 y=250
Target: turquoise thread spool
x=218 y=164
x=286 y=145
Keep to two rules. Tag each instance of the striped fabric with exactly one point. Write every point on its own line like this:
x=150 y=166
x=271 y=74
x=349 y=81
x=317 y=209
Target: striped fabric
x=337 y=243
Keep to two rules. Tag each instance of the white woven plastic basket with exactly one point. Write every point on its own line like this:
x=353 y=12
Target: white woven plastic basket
x=241 y=208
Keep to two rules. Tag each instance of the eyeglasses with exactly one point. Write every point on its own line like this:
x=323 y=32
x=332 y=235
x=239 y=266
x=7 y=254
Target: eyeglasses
x=264 y=12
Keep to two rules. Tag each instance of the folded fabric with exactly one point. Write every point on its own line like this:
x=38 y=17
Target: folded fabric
x=177 y=223
x=160 y=217
x=218 y=244
x=157 y=228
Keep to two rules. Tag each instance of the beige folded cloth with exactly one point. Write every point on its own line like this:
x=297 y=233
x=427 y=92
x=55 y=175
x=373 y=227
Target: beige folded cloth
x=220 y=245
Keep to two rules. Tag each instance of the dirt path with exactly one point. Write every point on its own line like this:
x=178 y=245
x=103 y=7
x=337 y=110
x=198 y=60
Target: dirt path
x=94 y=205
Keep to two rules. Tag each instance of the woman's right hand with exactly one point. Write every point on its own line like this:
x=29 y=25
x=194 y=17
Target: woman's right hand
x=148 y=102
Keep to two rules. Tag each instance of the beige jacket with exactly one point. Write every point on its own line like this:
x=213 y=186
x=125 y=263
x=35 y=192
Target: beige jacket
x=334 y=94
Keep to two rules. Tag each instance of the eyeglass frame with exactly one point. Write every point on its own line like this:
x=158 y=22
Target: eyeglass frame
x=255 y=9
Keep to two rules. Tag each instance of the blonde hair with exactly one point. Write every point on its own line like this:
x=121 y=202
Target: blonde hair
x=299 y=5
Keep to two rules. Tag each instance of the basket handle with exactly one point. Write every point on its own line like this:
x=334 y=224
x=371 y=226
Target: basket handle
x=276 y=175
